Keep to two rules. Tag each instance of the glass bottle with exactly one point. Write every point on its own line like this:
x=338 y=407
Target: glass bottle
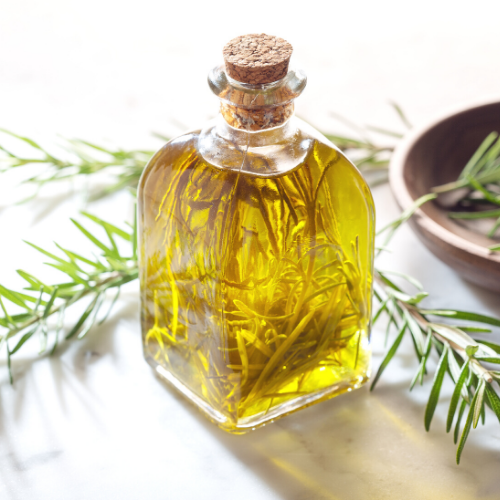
x=256 y=251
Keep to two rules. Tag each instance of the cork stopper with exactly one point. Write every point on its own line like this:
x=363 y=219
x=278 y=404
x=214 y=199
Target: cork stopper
x=257 y=59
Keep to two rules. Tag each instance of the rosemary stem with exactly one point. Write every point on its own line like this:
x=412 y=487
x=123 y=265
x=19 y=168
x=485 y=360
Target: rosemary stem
x=69 y=301
x=480 y=370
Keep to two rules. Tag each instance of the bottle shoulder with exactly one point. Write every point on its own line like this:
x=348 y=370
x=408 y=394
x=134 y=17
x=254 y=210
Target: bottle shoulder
x=302 y=146
x=170 y=154
x=326 y=153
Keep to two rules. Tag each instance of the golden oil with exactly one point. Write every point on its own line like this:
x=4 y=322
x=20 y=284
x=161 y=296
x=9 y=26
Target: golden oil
x=256 y=290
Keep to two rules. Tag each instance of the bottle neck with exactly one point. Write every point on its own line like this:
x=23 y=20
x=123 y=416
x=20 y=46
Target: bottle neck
x=256 y=119
x=244 y=138
x=256 y=132
x=256 y=107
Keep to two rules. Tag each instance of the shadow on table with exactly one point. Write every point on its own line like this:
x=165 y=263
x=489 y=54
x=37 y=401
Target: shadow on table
x=365 y=445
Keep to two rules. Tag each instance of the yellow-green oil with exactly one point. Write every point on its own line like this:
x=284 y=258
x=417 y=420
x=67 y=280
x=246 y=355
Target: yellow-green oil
x=256 y=291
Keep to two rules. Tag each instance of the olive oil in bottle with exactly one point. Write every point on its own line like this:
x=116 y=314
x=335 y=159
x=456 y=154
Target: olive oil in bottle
x=256 y=252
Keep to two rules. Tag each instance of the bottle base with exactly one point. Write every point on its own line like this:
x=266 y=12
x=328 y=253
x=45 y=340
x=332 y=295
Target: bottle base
x=245 y=425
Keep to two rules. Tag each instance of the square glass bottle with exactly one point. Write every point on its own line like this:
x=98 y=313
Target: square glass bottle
x=256 y=249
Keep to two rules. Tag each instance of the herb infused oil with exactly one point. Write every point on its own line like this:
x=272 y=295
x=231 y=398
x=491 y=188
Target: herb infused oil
x=256 y=252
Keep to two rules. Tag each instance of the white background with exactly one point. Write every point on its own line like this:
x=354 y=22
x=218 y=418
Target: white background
x=92 y=421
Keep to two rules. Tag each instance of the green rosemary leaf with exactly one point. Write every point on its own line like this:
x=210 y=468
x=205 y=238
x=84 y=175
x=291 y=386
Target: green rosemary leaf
x=463 y=315
x=475 y=215
x=491 y=157
x=463 y=405
x=455 y=398
x=47 y=253
x=105 y=317
x=7 y=317
x=473 y=329
x=453 y=366
x=408 y=299
x=388 y=282
x=436 y=388
x=108 y=226
x=494 y=248
x=66 y=268
x=453 y=334
x=95 y=312
x=59 y=326
x=489 y=359
x=27 y=140
x=423 y=362
x=49 y=304
x=416 y=332
x=401 y=114
x=394 y=225
x=92 y=238
x=382 y=249
x=75 y=257
x=389 y=355
x=14 y=319
x=493 y=399
x=16 y=297
x=494 y=347
x=35 y=283
x=380 y=310
x=478 y=404
x=493 y=229
x=98 y=148
x=114 y=248
x=467 y=427
x=82 y=319
x=384 y=131
x=388 y=330
x=472 y=163
x=410 y=279
x=495 y=199
x=43 y=333
x=23 y=339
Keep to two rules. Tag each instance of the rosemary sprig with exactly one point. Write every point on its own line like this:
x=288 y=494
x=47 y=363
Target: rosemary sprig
x=464 y=358
x=89 y=279
x=479 y=183
x=86 y=159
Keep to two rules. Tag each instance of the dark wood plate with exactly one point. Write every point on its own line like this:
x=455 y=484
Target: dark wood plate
x=434 y=155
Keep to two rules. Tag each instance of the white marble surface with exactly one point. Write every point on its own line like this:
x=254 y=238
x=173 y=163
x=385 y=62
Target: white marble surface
x=93 y=421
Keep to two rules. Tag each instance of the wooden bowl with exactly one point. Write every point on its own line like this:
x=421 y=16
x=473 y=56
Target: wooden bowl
x=434 y=155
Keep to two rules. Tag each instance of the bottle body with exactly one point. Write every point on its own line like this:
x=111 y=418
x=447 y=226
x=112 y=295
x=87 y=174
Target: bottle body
x=256 y=280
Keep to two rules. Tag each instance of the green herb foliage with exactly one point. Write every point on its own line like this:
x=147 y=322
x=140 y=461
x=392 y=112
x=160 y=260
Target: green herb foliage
x=480 y=184
x=89 y=279
x=461 y=357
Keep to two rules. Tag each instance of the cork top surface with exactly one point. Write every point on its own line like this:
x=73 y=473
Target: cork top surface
x=257 y=58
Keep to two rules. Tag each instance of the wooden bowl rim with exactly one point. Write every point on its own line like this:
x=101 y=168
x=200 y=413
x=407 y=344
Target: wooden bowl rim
x=405 y=200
